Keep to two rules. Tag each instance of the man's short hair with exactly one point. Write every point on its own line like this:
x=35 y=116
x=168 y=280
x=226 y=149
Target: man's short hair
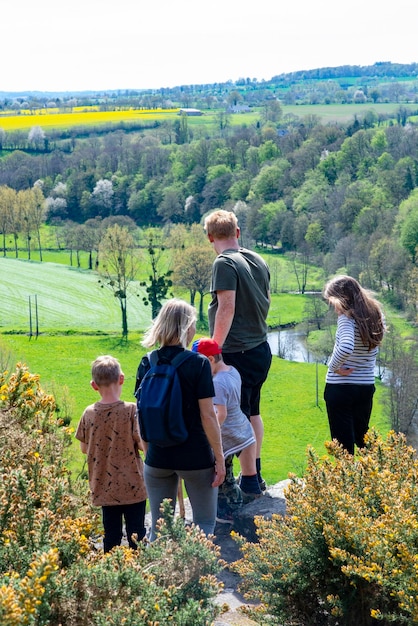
x=105 y=370
x=221 y=224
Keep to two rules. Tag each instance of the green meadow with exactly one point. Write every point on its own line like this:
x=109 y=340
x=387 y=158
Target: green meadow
x=78 y=320
x=68 y=299
x=210 y=118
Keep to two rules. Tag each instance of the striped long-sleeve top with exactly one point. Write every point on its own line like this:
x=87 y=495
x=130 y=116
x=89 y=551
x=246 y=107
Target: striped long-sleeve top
x=349 y=351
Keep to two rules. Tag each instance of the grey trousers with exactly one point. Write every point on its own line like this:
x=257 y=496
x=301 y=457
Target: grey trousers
x=163 y=483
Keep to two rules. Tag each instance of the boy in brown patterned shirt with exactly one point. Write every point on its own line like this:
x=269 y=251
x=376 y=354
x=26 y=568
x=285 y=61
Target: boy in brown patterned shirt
x=109 y=434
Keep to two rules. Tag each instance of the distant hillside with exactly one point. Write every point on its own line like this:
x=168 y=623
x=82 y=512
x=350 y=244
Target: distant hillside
x=383 y=69
x=380 y=71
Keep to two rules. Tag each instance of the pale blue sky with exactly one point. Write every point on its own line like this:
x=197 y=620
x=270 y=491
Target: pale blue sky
x=117 y=44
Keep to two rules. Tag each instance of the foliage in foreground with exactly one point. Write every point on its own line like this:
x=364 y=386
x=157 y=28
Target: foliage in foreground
x=50 y=573
x=346 y=553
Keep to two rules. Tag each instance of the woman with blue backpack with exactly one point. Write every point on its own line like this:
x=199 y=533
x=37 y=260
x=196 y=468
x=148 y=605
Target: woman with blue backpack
x=183 y=444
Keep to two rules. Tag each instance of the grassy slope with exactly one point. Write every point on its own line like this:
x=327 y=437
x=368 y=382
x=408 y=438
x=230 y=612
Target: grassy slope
x=70 y=300
x=327 y=113
x=67 y=298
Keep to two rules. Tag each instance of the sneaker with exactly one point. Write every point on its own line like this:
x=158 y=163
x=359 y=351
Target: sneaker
x=225 y=518
x=250 y=497
x=262 y=483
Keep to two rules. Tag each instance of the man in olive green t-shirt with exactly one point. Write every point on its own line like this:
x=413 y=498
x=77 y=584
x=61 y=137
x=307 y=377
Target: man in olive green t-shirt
x=238 y=312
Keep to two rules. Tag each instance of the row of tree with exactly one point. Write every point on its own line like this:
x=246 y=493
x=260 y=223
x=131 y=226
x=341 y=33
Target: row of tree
x=117 y=248
x=337 y=196
x=381 y=82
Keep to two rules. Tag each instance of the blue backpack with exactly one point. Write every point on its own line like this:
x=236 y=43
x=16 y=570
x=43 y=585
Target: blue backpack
x=160 y=403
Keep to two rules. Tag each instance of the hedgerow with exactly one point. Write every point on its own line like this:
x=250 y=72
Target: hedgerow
x=51 y=570
x=347 y=551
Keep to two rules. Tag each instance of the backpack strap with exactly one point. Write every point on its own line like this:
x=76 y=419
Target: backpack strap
x=152 y=357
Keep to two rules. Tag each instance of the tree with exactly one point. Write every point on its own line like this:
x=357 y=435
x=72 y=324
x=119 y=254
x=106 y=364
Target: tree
x=56 y=202
x=388 y=264
x=37 y=137
x=234 y=97
x=181 y=129
x=401 y=397
x=315 y=311
x=102 y=197
x=261 y=222
x=7 y=202
x=159 y=282
x=193 y=271
x=88 y=237
x=38 y=212
x=56 y=208
x=271 y=111
x=409 y=233
x=268 y=185
x=118 y=266
x=374 y=94
x=315 y=236
x=172 y=205
x=223 y=120
x=15 y=222
x=69 y=232
x=24 y=201
x=301 y=263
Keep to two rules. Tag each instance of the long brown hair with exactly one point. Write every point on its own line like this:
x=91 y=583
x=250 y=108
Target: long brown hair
x=356 y=302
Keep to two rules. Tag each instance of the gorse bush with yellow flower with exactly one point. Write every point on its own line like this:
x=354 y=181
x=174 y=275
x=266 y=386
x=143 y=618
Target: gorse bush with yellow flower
x=347 y=552
x=51 y=573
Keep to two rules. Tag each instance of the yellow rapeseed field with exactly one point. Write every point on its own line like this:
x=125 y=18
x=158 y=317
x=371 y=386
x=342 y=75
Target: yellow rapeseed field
x=80 y=116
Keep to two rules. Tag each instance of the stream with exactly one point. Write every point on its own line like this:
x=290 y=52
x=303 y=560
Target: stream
x=289 y=344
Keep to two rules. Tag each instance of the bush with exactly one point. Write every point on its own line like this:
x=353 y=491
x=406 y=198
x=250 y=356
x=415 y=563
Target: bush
x=346 y=553
x=50 y=570
x=171 y=581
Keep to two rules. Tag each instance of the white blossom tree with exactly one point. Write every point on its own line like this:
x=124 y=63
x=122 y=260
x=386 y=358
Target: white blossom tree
x=36 y=136
x=102 y=196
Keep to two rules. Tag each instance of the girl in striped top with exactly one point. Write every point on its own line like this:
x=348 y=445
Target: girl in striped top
x=350 y=378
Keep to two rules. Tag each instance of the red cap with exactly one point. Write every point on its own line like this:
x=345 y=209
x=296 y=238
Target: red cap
x=206 y=346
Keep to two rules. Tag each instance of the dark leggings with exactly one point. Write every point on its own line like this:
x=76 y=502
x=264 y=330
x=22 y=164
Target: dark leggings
x=134 y=515
x=349 y=408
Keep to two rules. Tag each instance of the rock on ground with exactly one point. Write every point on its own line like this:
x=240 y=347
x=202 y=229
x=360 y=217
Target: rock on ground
x=272 y=501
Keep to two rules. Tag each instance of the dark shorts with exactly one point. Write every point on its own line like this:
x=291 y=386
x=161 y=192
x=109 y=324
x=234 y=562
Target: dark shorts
x=253 y=366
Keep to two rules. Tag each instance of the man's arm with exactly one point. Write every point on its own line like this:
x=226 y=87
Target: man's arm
x=224 y=315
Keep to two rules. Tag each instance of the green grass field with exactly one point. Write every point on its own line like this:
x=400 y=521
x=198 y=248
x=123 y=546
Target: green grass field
x=68 y=299
x=51 y=119
x=292 y=406
x=342 y=113
x=78 y=321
